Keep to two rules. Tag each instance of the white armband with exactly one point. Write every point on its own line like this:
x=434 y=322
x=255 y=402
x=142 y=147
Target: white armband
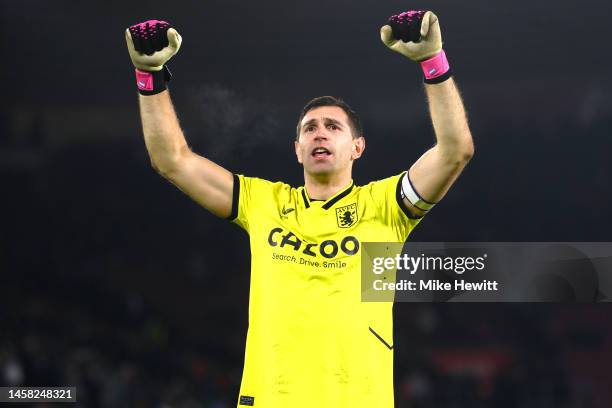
x=409 y=193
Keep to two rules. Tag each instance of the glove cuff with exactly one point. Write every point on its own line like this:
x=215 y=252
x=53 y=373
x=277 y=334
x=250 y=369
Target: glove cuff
x=152 y=82
x=436 y=69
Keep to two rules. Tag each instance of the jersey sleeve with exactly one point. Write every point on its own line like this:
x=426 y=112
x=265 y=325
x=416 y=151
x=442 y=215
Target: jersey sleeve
x=390 y=206
x=250 y=195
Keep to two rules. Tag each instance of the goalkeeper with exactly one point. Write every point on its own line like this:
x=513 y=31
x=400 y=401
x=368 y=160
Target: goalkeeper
x=311 y=342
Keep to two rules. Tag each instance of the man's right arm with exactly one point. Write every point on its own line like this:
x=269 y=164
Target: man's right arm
x=207 y=183
x=150 y=45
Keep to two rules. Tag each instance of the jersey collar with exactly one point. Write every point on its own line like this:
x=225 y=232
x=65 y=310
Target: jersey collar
x=330 y=201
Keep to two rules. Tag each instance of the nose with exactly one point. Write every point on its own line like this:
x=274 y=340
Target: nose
x=320 y=135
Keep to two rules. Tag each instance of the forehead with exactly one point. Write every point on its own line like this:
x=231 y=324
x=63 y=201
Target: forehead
x=332 y=112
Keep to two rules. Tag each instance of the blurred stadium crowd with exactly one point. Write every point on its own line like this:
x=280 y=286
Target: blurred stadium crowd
x=119 y=351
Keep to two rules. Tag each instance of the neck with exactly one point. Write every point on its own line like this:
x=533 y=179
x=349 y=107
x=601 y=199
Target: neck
x=324 y=187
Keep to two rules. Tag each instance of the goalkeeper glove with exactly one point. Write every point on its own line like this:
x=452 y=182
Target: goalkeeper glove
x=151 y=44
x=416 y=35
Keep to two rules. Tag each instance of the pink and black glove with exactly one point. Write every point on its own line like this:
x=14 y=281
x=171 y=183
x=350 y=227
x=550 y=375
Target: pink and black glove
x=416 y=35
x=151 y=44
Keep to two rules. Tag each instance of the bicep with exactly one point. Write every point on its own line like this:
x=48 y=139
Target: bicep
x=434 y=173
x=207 y=183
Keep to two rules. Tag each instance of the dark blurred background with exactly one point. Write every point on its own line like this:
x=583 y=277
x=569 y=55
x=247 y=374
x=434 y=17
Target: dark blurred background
x=113 y=281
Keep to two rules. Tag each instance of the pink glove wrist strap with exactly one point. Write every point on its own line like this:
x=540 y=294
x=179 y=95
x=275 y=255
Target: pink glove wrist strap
x=435 y=68
x=151 y=83
x=144 y=80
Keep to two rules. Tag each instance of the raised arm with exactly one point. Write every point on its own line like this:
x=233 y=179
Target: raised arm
x=209 y=184
x=436 y=170
x=431 y=176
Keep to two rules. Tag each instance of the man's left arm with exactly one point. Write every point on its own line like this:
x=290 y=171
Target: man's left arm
x=416 y=34
x=435 y=171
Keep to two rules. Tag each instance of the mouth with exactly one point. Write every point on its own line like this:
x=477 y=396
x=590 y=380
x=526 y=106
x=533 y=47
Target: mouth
x=320 y=152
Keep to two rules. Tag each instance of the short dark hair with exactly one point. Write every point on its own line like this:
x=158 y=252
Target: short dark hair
x=353 y=119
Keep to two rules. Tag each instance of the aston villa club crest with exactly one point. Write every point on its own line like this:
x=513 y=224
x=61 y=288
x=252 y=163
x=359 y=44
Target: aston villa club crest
x=347 y=215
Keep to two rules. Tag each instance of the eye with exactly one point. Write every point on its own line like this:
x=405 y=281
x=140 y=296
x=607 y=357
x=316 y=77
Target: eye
x=332 y=127
x=309 y=129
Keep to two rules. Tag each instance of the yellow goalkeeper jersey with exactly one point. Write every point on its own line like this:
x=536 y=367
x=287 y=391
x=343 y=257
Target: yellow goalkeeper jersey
x=311 y=342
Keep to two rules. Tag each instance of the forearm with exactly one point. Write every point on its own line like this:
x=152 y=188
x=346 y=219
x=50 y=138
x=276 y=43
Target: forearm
x=163 y=136
x=436 y=170
x=449 y=119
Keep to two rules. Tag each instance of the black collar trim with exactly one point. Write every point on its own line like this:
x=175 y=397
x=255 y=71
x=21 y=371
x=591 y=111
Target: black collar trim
x=329 y=203
x=305 y=197
x=339 y=197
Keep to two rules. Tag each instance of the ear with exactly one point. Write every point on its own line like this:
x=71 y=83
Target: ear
x=358 y=147
x=298 y=153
